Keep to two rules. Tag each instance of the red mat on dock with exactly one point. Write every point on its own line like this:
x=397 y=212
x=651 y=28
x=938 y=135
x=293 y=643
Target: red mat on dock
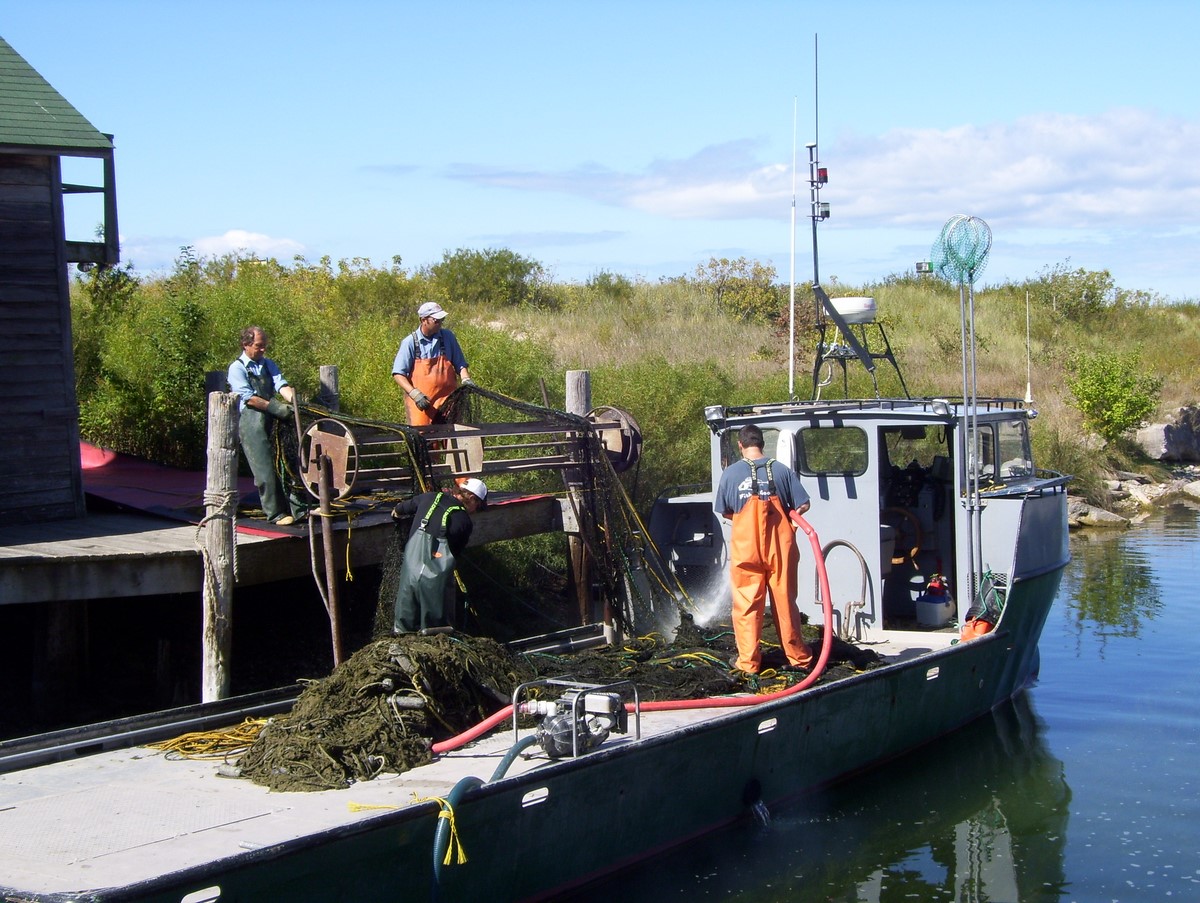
x=157 y=489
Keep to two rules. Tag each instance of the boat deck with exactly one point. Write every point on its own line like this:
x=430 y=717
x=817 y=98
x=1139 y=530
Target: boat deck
x=129 y=815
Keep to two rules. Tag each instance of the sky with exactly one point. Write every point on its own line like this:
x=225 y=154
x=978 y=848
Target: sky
x=640 y=138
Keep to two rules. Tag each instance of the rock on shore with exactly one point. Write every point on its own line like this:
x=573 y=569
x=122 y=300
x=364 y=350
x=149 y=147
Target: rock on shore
x=1177 y=440
x=1133 y=495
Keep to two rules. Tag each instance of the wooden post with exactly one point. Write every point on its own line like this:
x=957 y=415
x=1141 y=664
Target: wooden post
x=333 y=606
x=215 y=381
x=329 y=393
x=579 y=392
x=579 y=401
x=219 y=545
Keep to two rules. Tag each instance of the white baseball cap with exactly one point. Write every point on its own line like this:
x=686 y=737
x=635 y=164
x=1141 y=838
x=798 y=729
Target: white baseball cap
x=477 y=488
x=431 y=309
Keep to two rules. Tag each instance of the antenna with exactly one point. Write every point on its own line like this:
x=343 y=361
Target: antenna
x=816 y=95
x=792 y=271
x=1028 y=357
x=814 y=181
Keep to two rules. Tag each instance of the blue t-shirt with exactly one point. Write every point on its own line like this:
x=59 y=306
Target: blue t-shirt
x=243 y=368
x=416 y=345
x=737 y=484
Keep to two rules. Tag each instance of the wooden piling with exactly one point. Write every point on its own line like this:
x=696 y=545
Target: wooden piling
x=579 y=401
x=329 y=393
x=218 y=544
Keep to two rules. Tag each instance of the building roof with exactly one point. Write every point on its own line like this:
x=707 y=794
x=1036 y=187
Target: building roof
x=34 y=115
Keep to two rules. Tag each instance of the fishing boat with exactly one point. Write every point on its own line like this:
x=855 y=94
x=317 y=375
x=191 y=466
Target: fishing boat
x=933 y=538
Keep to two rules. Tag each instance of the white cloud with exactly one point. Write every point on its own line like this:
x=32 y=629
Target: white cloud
x=1121 y=168
x=239 y=240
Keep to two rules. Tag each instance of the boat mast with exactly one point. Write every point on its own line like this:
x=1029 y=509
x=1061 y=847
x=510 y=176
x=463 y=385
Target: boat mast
x=819 y=211
x=792 y=272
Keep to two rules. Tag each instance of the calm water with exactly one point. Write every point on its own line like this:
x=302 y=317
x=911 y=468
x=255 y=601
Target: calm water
x=1083 y=790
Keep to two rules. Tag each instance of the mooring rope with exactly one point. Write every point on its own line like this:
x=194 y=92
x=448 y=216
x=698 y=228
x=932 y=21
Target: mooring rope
x=219 y=505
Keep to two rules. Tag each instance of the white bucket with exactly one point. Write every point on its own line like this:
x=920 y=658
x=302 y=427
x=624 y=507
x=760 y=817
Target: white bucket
x=934 y=611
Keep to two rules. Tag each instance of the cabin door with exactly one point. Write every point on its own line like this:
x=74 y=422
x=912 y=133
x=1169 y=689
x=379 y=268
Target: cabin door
x=916 y=499
x=837 y=464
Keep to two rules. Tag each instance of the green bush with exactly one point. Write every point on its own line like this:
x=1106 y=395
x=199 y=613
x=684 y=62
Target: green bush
x=1111 y=391
x=612 y=286
x=493 y=276
x=744 y=288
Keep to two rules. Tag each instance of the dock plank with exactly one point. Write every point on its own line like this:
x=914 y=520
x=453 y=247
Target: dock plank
x=108 y=555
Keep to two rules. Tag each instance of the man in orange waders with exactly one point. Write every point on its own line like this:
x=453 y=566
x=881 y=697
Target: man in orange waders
x=429 y=365
x=758 y=494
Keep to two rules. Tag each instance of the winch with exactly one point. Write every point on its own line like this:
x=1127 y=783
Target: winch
x=579 y=720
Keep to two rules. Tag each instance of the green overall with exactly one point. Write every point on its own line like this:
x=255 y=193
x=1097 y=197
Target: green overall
x=254 y=430
x=424 y=596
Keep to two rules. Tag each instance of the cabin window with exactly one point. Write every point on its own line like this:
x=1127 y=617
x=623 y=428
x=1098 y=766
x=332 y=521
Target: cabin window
x=1002 y=450
x=831 y=450
x=729 y=445
x=919 y=445
x=1016 y=458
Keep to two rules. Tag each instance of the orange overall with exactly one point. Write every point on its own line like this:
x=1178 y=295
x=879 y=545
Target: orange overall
x=437 y=378
x=763 y=555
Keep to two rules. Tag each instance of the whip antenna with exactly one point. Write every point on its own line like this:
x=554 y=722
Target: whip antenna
x=1028 y=356
x=792 y=271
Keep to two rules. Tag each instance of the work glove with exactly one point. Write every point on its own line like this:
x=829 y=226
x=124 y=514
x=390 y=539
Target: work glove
x=420 y=399
x=400 y=520
x=279 y=409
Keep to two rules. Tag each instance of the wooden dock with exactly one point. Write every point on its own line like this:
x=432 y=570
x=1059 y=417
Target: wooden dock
x=125 y=554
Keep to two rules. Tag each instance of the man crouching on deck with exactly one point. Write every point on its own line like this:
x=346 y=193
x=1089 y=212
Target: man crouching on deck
x=758 y=493
x=441 y=526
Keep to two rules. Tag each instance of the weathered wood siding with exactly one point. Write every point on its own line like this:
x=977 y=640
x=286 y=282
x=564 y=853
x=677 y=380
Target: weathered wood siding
x=39 y=426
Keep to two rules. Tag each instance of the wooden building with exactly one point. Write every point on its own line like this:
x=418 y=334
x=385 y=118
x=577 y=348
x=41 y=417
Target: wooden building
x=38 y=128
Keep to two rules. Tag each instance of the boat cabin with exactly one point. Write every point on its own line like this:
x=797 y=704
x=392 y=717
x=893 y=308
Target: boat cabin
x=896 y=503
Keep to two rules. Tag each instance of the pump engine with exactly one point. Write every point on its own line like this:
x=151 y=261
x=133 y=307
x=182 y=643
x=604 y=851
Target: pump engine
x=577 y=722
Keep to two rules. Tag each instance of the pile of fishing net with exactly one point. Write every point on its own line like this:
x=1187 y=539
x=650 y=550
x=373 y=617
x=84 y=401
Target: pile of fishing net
x=382 y=709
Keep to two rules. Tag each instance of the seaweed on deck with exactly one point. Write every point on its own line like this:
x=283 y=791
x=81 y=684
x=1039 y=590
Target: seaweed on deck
x=383 y=708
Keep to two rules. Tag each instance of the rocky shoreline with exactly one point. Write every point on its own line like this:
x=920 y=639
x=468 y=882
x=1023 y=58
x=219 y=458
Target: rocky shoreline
x=1134 y=497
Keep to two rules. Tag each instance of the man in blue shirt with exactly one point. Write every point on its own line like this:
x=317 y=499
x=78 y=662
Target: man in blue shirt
x=256 y=380
x=758 y=494
x=428 y=365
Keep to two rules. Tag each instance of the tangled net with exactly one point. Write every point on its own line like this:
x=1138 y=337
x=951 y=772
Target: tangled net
x=382 y=709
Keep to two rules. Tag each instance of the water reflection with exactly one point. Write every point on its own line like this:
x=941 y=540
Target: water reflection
x=1111 y=589
x=987 y=807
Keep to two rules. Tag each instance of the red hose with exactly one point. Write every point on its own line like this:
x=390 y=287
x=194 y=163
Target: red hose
x=724 y=702
x=477 y=731
x=713 y=702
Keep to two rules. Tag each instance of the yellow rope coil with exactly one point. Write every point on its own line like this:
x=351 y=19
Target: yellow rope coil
x=212 y=744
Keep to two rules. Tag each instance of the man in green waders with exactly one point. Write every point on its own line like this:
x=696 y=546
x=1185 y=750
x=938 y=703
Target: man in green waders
x=256 y=380
x=440 y=529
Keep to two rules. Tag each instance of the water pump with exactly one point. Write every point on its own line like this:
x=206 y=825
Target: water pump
x=579 y=721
